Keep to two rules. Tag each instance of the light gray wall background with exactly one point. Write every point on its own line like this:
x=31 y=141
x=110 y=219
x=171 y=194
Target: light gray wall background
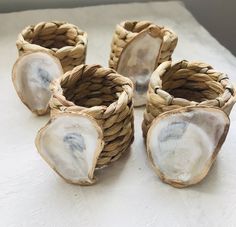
x=218 y=16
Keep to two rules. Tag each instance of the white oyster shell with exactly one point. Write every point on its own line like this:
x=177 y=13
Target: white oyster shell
x=32 y=74
x=183 y=144
x=137 y=61
x=71 y=144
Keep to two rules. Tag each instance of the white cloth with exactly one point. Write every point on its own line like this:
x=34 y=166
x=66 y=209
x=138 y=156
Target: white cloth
x=128 y=192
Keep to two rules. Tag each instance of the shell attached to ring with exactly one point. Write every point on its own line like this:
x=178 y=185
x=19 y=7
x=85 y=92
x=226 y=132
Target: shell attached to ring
x=71 y=143
x=183 y=144
x=138 y=47
x=32 y=75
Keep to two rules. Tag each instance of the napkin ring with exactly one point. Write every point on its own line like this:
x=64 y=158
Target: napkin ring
x=102 y=98
x=65 y=41
x=186 y=120
x=137 y=48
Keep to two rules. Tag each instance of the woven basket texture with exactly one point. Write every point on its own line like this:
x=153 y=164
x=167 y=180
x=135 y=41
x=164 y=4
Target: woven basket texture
x=127 y=30
x=107 y=97
x=184 y=84
x=63 y=40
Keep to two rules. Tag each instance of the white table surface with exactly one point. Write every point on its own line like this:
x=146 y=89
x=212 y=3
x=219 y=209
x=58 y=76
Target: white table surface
x=128 y=192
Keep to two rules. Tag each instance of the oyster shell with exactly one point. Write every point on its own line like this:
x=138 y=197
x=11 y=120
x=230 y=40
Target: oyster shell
x=138 y=60
x=183 y=144
x=71 y=143
x=32 y=74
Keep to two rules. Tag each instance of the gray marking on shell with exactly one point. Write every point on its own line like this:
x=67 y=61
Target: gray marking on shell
x=141 y=86
x=75 y=142
x=174 y=130
x=44 y=76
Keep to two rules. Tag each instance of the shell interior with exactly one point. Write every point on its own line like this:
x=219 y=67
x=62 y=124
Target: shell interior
x=32 y=74
x=71 y=144
x=183 y=145
x=137 y=61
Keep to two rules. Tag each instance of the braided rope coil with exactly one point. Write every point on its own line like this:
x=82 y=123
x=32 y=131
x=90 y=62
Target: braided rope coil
x=126 y=31
x=107 y=97
x=173 y=86
x=61 y=39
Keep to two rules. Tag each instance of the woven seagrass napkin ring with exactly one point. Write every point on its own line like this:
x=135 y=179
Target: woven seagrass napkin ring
x=63 y=40
x=91 y=122
x=186 y=120
x=137 y=48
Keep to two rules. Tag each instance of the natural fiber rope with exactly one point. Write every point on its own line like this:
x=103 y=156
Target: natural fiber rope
x=63 y=40
x=127 y=30
x=186 y=84
x=106 y=96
